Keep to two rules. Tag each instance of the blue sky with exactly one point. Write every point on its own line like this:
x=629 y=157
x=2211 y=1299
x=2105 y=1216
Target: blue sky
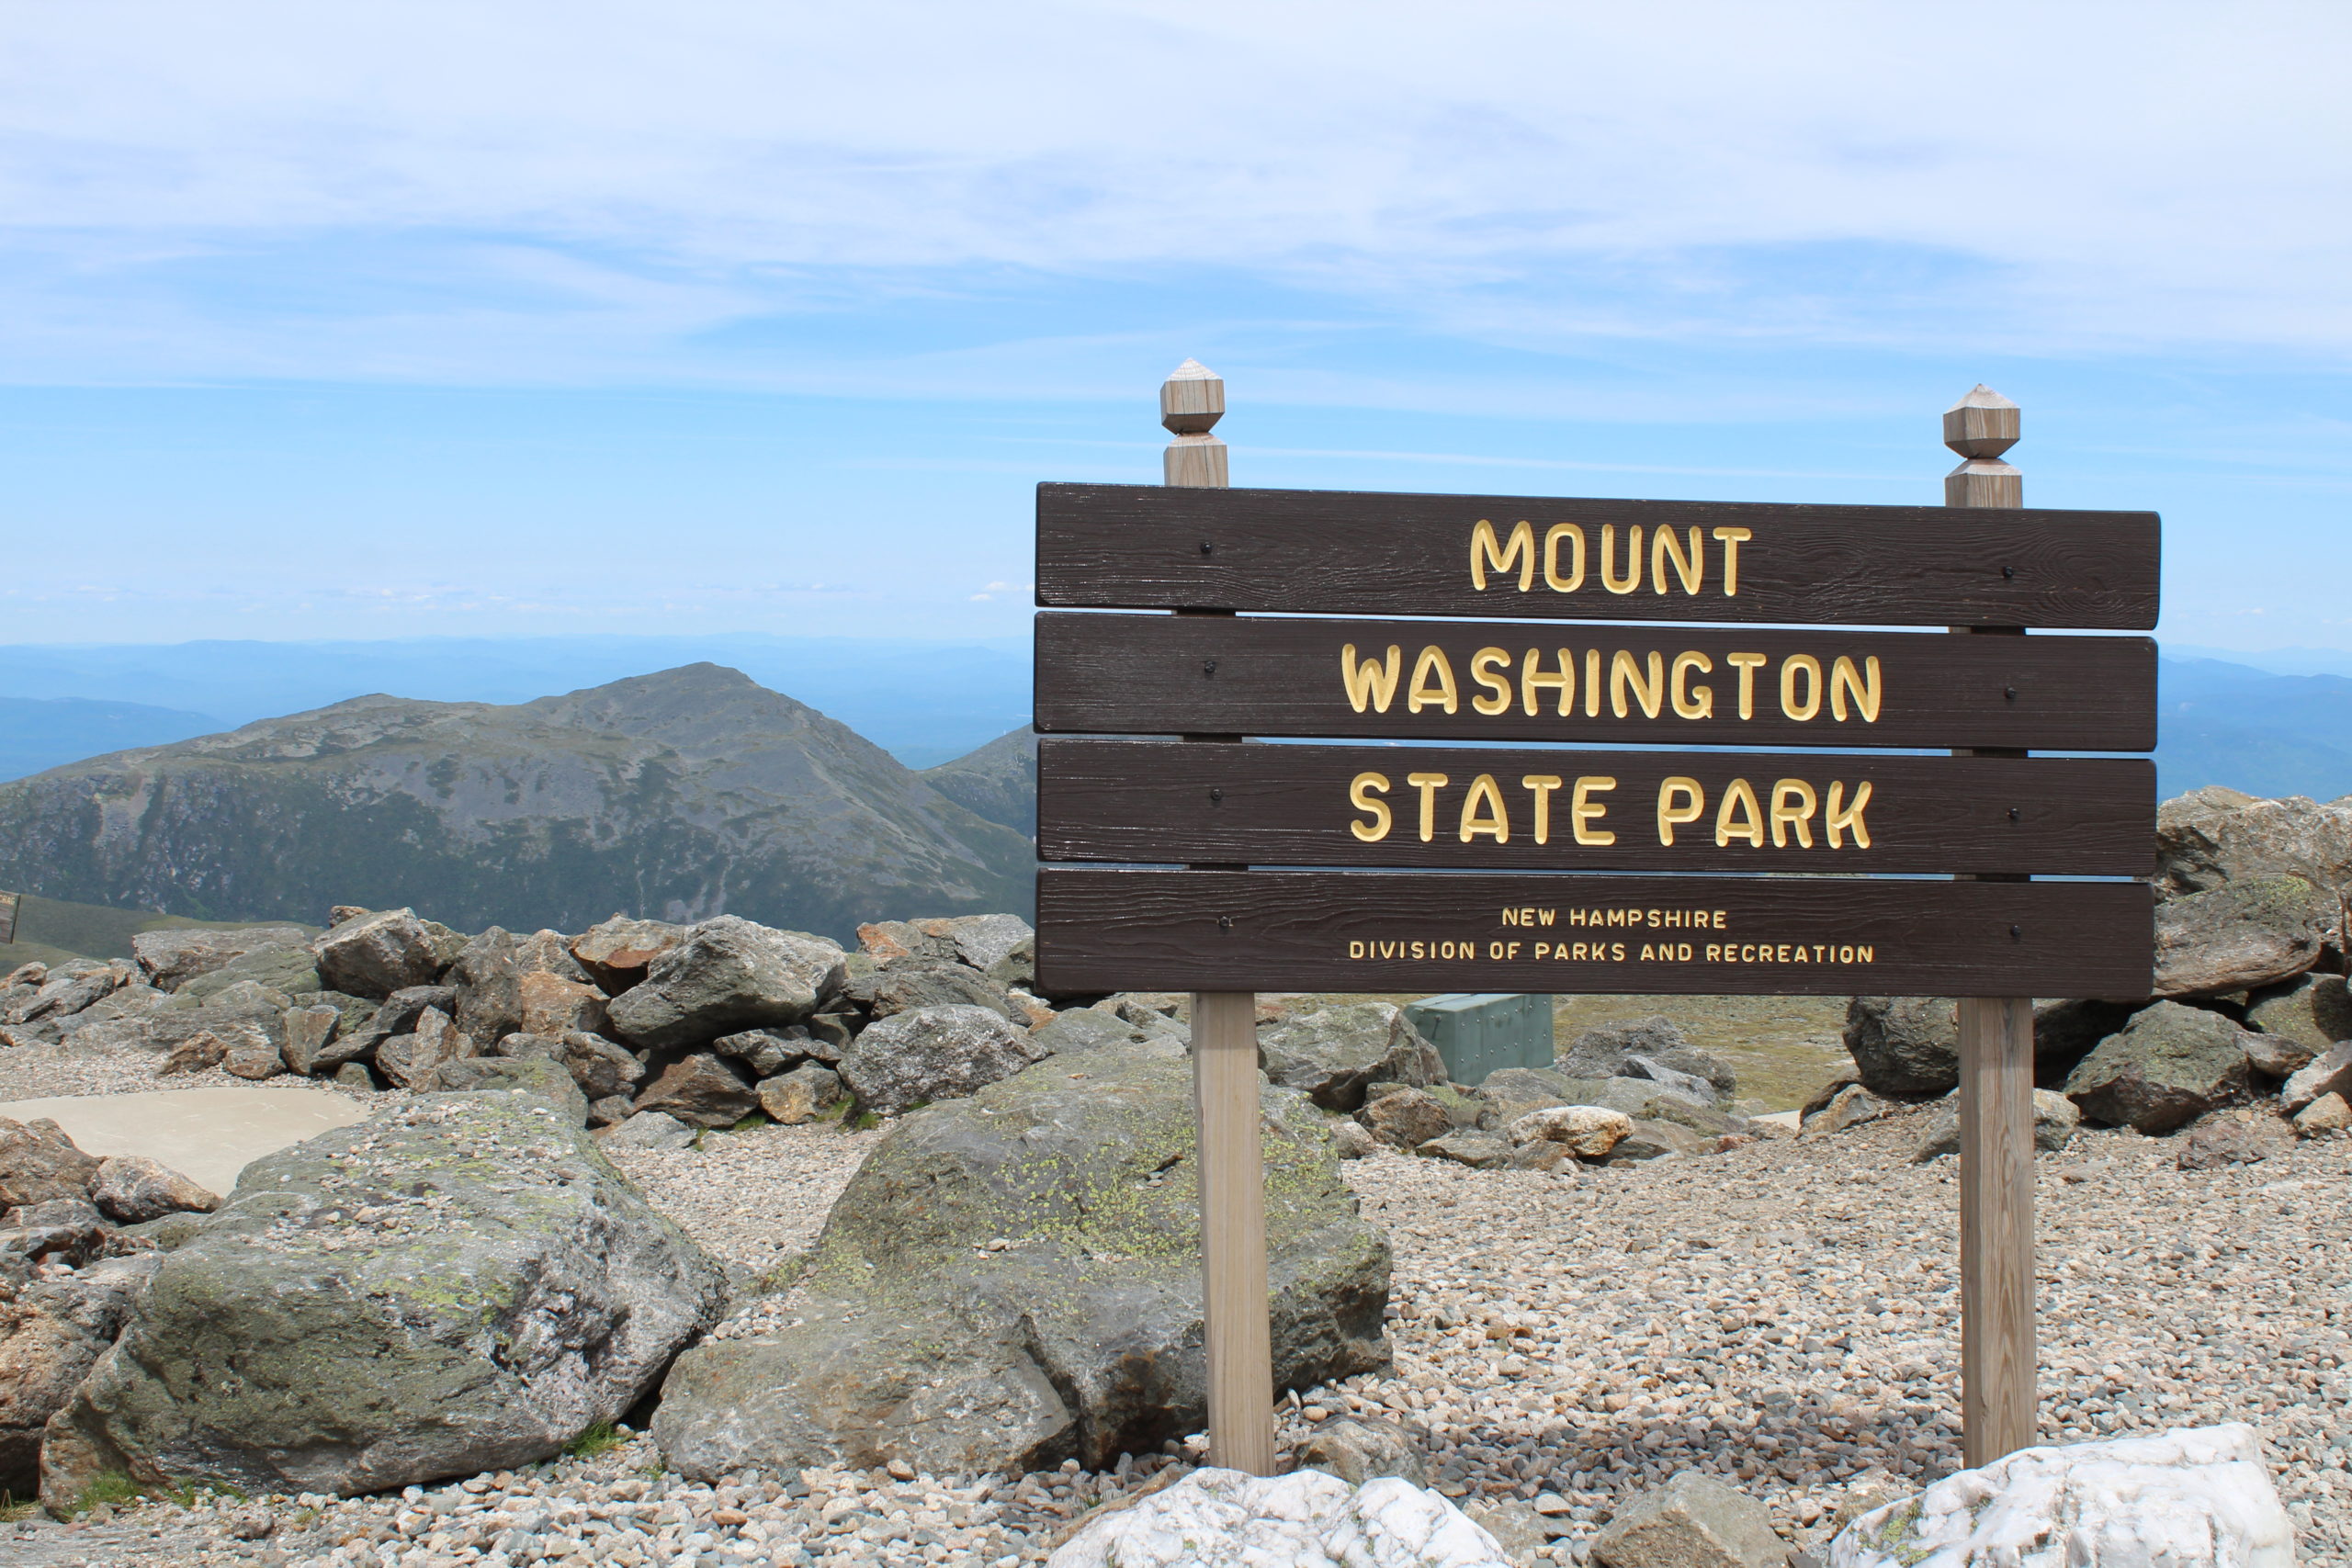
x=380 y=321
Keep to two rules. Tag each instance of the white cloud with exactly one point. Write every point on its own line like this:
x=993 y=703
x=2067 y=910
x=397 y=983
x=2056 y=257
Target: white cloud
x=258 y=186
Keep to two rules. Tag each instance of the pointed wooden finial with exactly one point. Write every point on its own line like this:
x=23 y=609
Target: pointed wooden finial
x=1191 y=403
x=1980 y=428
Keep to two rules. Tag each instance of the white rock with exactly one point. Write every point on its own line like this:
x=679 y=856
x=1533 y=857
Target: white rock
x=1588 y=1129
x=2188 y=1498
x=1305 y=1520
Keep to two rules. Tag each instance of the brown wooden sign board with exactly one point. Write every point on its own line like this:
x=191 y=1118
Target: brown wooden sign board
x=1106 y=930
x=1682 y=685
x=1157 y=801
x=1365 y=553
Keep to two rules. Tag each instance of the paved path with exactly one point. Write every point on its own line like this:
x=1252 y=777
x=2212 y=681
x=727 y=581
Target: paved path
x=206 y=1134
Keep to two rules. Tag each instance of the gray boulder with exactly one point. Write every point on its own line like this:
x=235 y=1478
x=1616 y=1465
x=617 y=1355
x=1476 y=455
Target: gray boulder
x=1646 y=1100
x=53 y=1331
x=66 y=990
x=1406 y=1118
x=1479 y=1151
x=1360 y=1448
x=2170 y=1065
x=2246 y=1136
x=616 y=951
x=1656 y=1140
x=764 y=1052
x=1849 y=1107
x=728 y=975
x=1693 y=1521
x=508 y=985
x=1904 y=1045
x=649 y=1129
x=2330 y=1074
x=1510 y=1093
x=460 y=1283
x=310 y=1038
x=601 y=1068
x=131 y=1190
x=402 y=1010
x=1013 y=1279
x=1080 y=1030
x=993 y=944
x=1609 y=1051
x=276 y=967
x=38 y=1162
x=2306 y=1017
x=2258 y=931
x=515 y=1075
x=413 y=1060
x=2054 y=1121
x=1333 y=1053
x=376 y=954
x=172 y=958
x=2066 y=1032
x=2212 y=837
x=932 y=1053
x=802 y=1095
x=1689 y=1086
x=911 y=983
x=701 y=1091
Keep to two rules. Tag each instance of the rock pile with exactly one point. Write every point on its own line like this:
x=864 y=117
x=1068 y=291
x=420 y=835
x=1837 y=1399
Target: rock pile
x=2248 y=1013
x=77 y=1242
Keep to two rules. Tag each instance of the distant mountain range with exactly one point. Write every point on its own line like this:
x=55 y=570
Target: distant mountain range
x=675 y=796
x=923 y=701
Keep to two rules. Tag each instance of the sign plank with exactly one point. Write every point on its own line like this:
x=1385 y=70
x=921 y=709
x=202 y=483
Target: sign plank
x=1454 y=680
x=1367 y=553
x=1104 y=930
x=1523 y=810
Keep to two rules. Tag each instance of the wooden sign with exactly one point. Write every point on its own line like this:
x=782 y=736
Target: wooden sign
x=1108 y=931
x=1359 y=553
x=1155 y=801
x=1684 y=685
x=8 y=918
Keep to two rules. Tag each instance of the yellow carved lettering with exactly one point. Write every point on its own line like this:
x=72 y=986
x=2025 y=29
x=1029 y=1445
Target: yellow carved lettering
x=1844 y=678
x=1749 y=822
x=1609 y=578
x=1542 y=785
x=1794 y=665
x=1488 y=550
x=1370 y=682
x=1622 y=672
x=1531 y=679
x=1688 y=703
x=1422 y=694
x=1841 y=818
x=1490 y=668
x=1496 y=823
x=1360 y=795
x=1748 y=664
x=1692 y=569
x=1552 y=578
x=1679 y=800
x=1428 y=784
x=1730 y=539
x=1583 y=810
x=1793 y=803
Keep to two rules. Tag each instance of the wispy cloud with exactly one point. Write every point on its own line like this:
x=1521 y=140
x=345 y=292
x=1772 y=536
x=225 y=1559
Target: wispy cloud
x=609 y=188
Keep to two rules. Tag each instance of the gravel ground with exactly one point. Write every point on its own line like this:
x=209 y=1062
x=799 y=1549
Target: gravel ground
x=39 y=1072
x=1786 y=1314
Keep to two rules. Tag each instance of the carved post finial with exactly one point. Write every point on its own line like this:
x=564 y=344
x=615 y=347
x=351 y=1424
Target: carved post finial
x=1191 y=403
x=1980 y=428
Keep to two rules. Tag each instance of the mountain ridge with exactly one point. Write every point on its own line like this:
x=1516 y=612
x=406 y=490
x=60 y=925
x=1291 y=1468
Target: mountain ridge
x=679 y=794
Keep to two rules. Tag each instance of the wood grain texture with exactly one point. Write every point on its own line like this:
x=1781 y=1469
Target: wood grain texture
x=1101 y=931
x=1163 y=802
x=1233 y=1230
x=1248 y=675
x=1364 y=553
x=1997 y=1338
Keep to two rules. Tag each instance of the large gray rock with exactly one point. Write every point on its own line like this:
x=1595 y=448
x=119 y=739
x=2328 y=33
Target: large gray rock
x=376 y=954
x=1080 y=1030
x=2170 y=1065
x=763 y=1052
x=53 y=1331
x=460 y=1284
x=913 y=983
x=600 y=1067
x=1014 y=1279
x=67 y=990
x=728 y=975
x=278 y=967
x=616 y=951
x=1693 y=1521
x=1612 y=1050
x=1361 y=1448
x=2212 y=837
x=802 y=1095
x=516 y=1075
x=2330 y=1074
x=413 y=1060
x=2054 y=1121
x=172 y=958
x=38 y=1162
x=131 y=1190
x=932 y=1053
x=1305 y=1519
x=2306 y=1017
x=1510 y=1093
x=2252 y=932
x=1331 y=1053
x=993 y=944
x=701 y=1091
x=1406 y=1118
x=1904 y=1045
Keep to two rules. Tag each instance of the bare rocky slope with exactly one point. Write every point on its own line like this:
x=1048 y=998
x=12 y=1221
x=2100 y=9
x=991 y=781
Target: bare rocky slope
x=679 y=796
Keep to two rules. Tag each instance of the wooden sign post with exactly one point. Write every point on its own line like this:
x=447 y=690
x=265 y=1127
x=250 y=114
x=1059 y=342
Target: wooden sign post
x=1598 y=858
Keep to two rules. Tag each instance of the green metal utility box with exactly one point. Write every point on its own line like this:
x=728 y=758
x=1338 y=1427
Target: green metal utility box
x=1479 y=1033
